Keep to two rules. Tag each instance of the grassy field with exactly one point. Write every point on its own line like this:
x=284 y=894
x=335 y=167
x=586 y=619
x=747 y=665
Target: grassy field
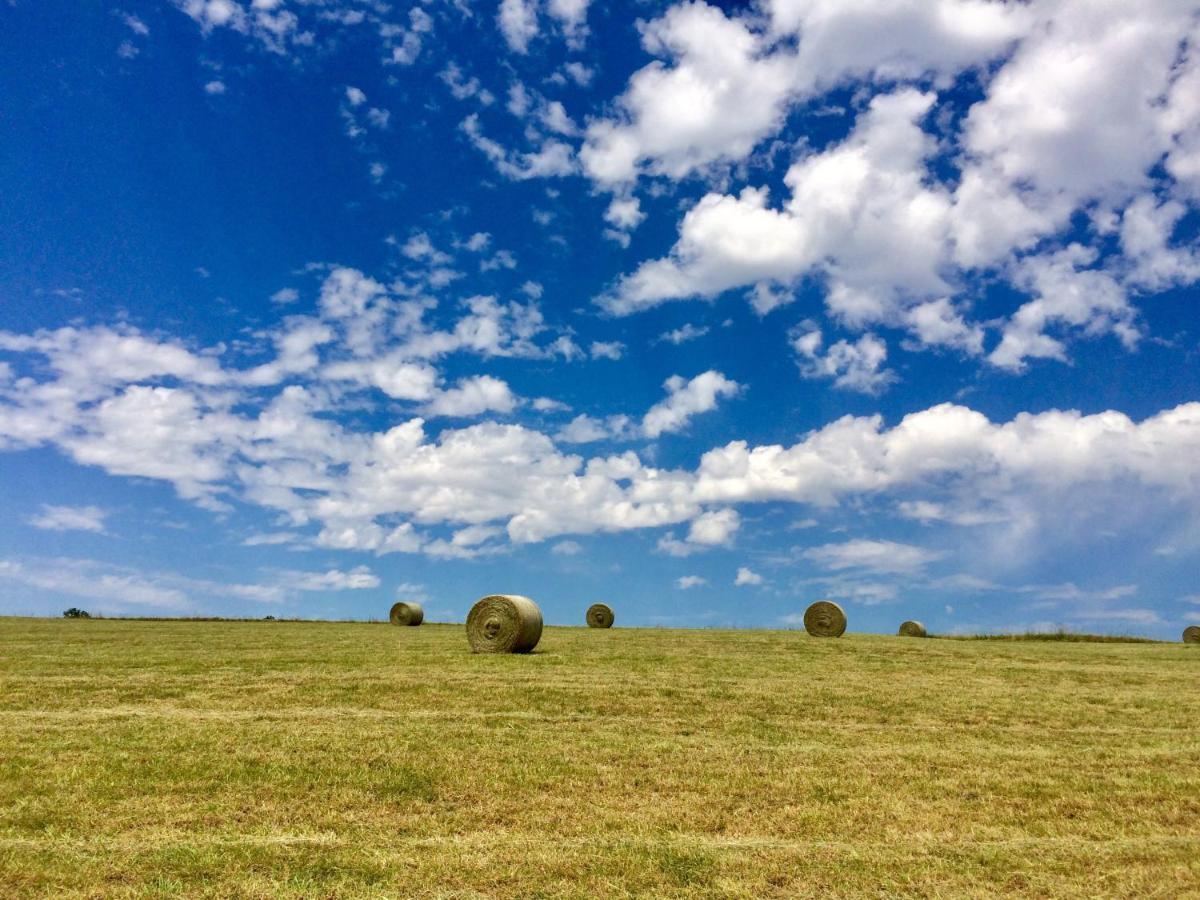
x=345 y=760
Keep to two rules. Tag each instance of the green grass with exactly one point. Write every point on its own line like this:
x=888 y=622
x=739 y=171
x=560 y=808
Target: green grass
x=268 y=759
x=1068 y=636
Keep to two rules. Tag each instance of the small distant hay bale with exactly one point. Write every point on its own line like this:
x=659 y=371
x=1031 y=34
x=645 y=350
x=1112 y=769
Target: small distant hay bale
x=911 y=628
x=825 y=619
x=406 y=612
x=504 y=623
x=1191 y=634
x=599 y=615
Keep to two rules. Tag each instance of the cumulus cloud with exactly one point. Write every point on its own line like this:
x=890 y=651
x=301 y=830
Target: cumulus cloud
x=1084 y=104
x=518 y=23
x=857 y=365
x=746 y=576
x=472 y=396
x=686 y=399
x=861 y=212
x=686 y=582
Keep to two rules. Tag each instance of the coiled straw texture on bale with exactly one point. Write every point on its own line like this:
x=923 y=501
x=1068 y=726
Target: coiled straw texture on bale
x=1191 y=634
x=912 y=628
x=406 y=613
x=599 y=615
x=504 y=623
x=825 y=619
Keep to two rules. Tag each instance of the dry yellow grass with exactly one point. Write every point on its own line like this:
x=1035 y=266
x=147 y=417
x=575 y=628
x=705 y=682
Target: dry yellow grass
x=342 y=760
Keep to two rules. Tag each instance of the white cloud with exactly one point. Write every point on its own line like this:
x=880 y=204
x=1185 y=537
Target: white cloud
x=136 y=25
x=473 y=396
x=355 y=97
x=214 y=87
x=70 y=518
x=721 y=96
x=553 y=158
x=686 y=399
x=856 y=366
x=572 y=15
x=687 y=582
x=461 y=87
x=585 y=429
x=861 y=212
x=883 y=557
x=606 y=350
x=333 y=580
x=745 y=576
x=518 y=23
x=567 y=548
x=624 y=213
x=284 y=296
x=714 y=528
x=92 y=581
x=683 y=334
x=1065 y=293
x=271 y=539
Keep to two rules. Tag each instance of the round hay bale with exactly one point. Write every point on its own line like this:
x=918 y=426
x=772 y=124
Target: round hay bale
x=825 y=619
x=504 y=623
x=911 y=628
x=600 y=615
x=1191 y=634
x=406 y=612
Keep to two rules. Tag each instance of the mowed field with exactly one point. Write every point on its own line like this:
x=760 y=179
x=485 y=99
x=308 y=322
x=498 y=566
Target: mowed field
x=275 y=759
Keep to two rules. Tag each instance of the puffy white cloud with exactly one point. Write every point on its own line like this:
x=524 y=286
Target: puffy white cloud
x=892 y=40
x=572 y=15
x=746 y=576
x=624 y=213
x=1066 y=294
x=937 y=323
x=1146 y=232
x=856 y=366
x=214 y=88
x=1075 y=110
x=472 y=396
x=687 y=582
x=518 y=23
x=1044 y=453
x=585 y=429
x=720 y=97
x=1088 y=99
x=861 y=212
x=686 y=399
x=715 y=527
x=729 y=82
x=70 y=518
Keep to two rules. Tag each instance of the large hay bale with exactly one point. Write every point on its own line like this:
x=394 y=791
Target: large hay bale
x=911 y=628
x=600 y=615
x=504 y=623
x=1191 y=634
x=825 y=619
x=406 y=612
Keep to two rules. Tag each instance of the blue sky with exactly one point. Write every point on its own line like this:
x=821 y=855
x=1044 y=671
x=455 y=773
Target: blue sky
x=703 y=311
